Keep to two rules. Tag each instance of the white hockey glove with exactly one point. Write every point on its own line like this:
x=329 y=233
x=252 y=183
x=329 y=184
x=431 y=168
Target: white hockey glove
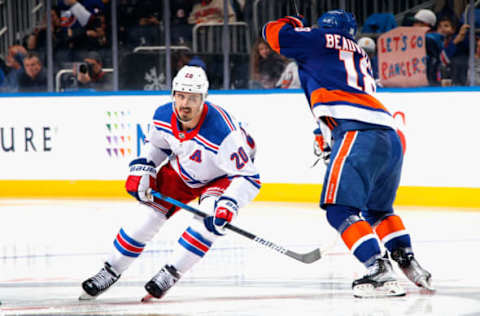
x=142 y=177
x=225 y=211
x=320 y=148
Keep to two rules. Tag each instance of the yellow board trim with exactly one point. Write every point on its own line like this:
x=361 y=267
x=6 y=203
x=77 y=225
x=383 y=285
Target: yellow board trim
x=278 y=192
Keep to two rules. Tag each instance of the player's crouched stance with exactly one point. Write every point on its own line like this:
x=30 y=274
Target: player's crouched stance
x=203 y=153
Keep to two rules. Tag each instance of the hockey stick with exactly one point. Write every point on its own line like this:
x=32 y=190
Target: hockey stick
x=294 y=3
x=308 y=257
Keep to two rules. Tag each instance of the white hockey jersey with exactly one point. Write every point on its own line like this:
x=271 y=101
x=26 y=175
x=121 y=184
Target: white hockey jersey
x=217 y=147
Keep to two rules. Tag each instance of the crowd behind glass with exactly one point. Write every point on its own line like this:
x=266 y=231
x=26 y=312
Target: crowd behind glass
x=81 y=32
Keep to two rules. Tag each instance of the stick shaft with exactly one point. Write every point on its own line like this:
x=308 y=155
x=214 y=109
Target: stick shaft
x=305 y=258
x=294 y=3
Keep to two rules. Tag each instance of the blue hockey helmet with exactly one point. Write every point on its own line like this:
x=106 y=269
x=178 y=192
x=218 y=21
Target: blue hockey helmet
x=338 y=20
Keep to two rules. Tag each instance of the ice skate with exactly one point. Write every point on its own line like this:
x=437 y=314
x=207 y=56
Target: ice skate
x=412 y=269
x=380 y=281
x=99 y=283
x=158 y=286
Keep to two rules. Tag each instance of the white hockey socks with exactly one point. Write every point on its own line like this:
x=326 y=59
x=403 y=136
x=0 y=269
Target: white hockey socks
x=132 y=238
x=192 y=245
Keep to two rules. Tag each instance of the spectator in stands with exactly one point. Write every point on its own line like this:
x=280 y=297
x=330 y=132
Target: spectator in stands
x=210 y=11
x=180 y=29
x=2 y=76
x=83 y=29
x=14 y=66
x=33 y=77
x=289 y=79
x=369 y=46
x=379 y=23
x=90 y=74
x=197 y=61
x=146 y=31
x=179 y=59
x=126 y=20
x=37 y=40
x=266 y=66
x=186 y=13
x=454 y=55
x=452 y=7
x=427 y=18
x=477 y=64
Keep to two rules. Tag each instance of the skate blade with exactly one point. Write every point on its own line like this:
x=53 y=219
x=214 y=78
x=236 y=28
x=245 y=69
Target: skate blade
x=388 y=289
x=147 y=298
x=86 y=297
x=426 y=285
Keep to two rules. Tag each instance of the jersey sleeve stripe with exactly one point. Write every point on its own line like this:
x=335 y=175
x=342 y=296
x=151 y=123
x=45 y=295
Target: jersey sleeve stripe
x=325 y=96
x=254 y=180
x=226 y=117
x=163 y=126
x=206 y=143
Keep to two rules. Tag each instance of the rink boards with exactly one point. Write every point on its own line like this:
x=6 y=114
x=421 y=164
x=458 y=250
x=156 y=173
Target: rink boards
x=80 y=145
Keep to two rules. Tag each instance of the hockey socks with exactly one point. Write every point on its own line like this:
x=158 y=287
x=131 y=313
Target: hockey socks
x=356 y=233
x=393 y=234
x=193 y=244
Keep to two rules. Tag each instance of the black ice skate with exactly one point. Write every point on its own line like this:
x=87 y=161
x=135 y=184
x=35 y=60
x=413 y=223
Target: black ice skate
x=380 y=281
x=412 y=269
x=99 y=283
x=158 y=286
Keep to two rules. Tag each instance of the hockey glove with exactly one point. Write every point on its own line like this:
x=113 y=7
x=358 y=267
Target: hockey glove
x=141 y=178
x=320 y=148
x=294 y=21
x=225 y=211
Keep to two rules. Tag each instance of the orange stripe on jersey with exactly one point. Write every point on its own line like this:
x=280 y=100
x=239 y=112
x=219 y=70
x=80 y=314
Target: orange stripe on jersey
x=331 y=123
x=323 y=95
x=271 y=34
x=337 y=166
x=356 y=231
x=334 y=123
x=389 y=225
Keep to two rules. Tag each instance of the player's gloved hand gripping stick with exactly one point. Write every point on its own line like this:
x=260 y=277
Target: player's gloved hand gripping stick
x=308 y=257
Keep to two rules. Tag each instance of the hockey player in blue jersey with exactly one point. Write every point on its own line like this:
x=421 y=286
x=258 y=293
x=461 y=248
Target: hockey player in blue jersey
x=202 y=152
x=364 y=167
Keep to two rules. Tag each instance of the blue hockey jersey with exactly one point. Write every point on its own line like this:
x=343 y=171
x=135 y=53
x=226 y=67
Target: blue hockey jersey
x=335 y=73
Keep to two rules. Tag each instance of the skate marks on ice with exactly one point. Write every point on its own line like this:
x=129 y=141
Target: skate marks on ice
x=189 y=299
x=43 y=262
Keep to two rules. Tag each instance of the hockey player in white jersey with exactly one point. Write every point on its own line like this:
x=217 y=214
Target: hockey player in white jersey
x=202 y=152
